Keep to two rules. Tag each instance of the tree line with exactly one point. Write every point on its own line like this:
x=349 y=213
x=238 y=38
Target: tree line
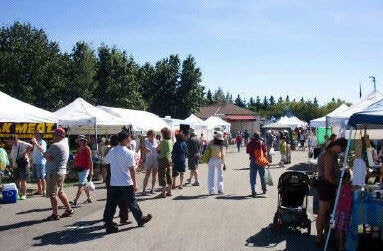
x=35 y=70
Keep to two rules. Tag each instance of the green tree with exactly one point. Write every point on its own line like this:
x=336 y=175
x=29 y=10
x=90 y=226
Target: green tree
x=272 y=100
x=209 y=97
x=189 y=92
x=82 y=73
x=239 y=101
x=265 y=103
x=117 y=80
x=32 y=68
x=219 y=96
x=167 y=75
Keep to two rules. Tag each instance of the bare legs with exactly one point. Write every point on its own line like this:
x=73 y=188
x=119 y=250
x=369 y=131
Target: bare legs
x=322 y=219
x=63 y=200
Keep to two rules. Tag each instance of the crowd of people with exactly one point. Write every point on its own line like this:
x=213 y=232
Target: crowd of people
x=166 y=162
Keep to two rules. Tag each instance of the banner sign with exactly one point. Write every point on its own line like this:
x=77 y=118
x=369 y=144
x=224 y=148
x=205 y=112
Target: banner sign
x=26 y=130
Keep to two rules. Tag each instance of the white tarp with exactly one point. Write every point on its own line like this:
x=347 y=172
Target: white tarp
x=321 y=122
x=14 y=110
x=284 y=122
x=342 y=118
x=214 y=122
x=140 y=120
x=83 y=118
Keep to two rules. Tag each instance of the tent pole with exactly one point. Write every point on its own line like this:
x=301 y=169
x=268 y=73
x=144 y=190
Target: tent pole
x=344 y=167
x=96 y=134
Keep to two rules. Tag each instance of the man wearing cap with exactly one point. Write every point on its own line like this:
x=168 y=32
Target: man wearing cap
x=57 y=158
x=39 y=148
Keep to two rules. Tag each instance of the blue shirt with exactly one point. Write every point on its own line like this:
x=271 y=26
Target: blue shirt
x=38 y=157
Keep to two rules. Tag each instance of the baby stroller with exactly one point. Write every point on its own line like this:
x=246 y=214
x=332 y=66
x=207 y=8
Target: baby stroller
x=293 y=188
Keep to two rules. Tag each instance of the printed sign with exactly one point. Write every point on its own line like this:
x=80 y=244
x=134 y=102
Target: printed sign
x=26 y=130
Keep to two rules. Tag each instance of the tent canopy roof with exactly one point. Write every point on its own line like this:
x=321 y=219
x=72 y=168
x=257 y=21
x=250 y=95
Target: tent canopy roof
x=343 y=117
x=283 y=122
x=371 y=117
x=321 y=122
x=140 y=120
x=81 y=113
x=14 y=110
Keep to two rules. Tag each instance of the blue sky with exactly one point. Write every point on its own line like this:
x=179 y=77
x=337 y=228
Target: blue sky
x=309 y=48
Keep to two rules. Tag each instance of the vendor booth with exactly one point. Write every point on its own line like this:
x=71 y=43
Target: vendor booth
x=367 y=202
x=80 y=117
x=321 y=122
x=290 y=122
x=139 y=120
x=23 y=119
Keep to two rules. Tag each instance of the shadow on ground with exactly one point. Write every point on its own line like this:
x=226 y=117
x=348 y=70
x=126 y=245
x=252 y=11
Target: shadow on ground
x=79 y=232
x=36 y=210
x=191 y=197
x=269 y=237
x=21 y=224
x=233 y=197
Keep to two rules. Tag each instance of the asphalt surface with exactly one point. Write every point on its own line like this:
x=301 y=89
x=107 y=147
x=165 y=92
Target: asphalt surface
x=189 y=220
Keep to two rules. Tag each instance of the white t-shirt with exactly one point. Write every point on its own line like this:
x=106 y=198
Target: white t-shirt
x=132 y=145
x=121 y=160
x=152 y=147
x=359 y=172
x=18 y=150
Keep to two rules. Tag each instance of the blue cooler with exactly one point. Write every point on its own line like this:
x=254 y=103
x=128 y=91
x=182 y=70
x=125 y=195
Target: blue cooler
x=9 y=193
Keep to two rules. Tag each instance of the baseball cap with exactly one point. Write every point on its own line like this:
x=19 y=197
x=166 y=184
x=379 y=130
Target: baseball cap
x=59 y=131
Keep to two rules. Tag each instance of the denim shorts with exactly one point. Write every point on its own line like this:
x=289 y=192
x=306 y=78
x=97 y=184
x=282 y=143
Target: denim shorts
x=39 y=170
x=82 y=176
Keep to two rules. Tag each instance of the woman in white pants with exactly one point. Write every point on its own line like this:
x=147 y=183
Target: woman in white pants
x=216 y=163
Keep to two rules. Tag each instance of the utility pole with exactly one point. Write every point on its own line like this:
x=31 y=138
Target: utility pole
x=373 y=81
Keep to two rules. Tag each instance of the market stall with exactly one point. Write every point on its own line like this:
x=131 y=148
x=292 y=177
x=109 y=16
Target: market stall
x=23 y=119
x=367 y=203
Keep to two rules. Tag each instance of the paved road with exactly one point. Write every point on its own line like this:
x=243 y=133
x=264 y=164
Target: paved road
x=189 y=220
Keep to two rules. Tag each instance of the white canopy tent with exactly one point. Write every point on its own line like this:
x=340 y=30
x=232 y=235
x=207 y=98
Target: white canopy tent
x=140 y=120
x=14 y=110
x=342 y=118
x=197 y=124
x=290 y=122
x=83 y=118
x=321 y=122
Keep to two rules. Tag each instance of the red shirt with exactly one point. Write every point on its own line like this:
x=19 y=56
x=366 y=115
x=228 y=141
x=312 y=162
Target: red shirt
x=255 y=144
x=82 y=159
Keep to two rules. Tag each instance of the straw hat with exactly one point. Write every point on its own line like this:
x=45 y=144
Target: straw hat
x=218 y=135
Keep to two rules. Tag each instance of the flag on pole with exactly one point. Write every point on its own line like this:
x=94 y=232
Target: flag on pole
x=360 y=90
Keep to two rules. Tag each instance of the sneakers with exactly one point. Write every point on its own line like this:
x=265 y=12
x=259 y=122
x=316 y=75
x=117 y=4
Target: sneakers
x=23 y=197
x=73 y=203
x=254 y=194
x=220 y=192
x=144 y=220
x=196 y=184
x=188 y=181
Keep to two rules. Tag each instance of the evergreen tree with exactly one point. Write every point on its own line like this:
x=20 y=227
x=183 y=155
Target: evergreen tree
x=287 y=99
x=272 y=100
x=239 y=101
x=280 y=100
x=189 y=92
x=265 y=103
x=209 y=97
x=258 y=104
x=219 y=96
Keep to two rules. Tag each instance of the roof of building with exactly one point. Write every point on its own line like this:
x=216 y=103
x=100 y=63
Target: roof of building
x=226 y=111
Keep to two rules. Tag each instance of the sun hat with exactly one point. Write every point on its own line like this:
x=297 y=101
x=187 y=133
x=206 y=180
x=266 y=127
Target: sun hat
x=218 y=135
x=60 y=132
x=82 y=137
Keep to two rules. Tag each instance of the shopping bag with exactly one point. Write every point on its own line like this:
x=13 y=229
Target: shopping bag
x=260 y=158
x=206 y=155
x=89 y=186
x=268 y=177
x=272 y=151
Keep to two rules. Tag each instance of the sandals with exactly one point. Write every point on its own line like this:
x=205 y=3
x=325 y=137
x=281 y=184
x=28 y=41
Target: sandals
x=73 y=203
x=53 y=217
x=67 y=213
x=89 y=200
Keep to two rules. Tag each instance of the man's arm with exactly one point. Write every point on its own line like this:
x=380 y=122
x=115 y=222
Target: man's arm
x=133 y=176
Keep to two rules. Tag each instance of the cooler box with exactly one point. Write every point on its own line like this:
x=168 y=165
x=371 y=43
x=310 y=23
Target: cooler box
x=9 y=193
